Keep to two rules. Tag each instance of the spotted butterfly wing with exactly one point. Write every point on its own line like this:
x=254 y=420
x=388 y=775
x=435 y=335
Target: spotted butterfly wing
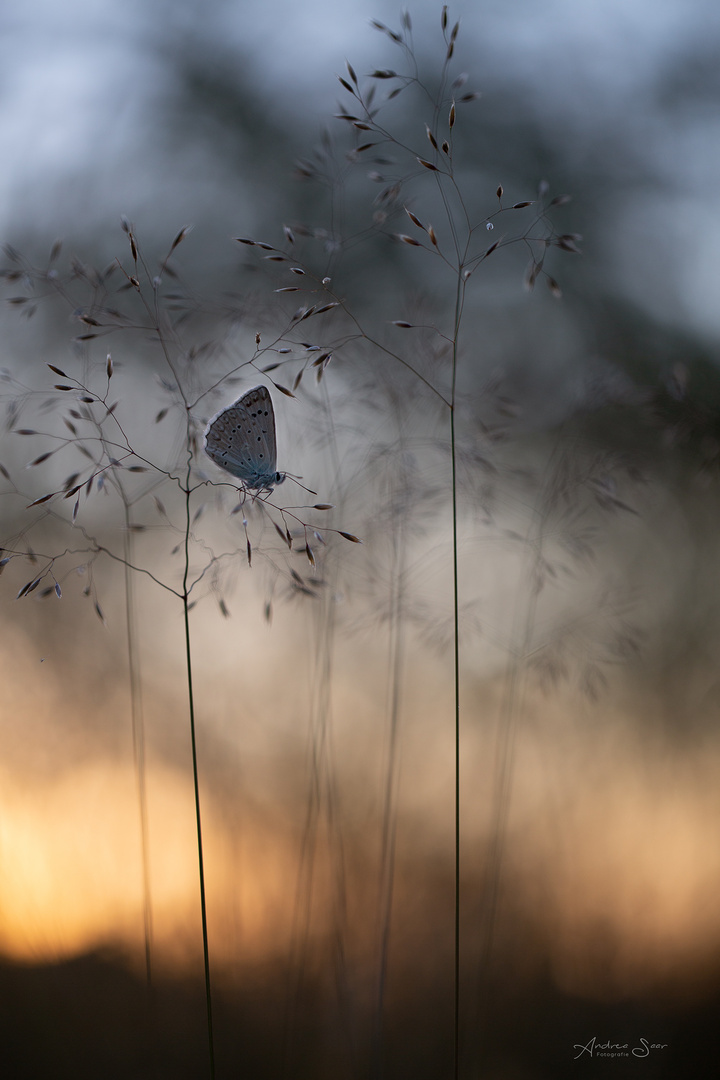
x=241 y=440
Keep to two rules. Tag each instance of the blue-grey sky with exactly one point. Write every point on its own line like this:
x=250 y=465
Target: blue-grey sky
x=81 y=83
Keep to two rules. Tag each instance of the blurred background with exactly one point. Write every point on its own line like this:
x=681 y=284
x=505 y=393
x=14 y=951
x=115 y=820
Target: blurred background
x=589 y=508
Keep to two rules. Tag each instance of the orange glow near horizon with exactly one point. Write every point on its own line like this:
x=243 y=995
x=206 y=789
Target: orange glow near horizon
x=618 y=895
x=72 y=870
x=610 y=864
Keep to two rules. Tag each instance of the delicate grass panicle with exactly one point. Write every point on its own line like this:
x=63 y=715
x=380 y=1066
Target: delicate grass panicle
x=117 y=442
x=153 y=480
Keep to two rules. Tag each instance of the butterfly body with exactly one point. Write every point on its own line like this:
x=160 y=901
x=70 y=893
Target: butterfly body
x=241 y=440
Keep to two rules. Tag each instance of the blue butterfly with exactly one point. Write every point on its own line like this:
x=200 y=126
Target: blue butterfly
x=241 y=440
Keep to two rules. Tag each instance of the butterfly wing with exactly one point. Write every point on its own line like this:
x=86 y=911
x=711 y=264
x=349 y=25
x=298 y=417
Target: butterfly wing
x=241 y=439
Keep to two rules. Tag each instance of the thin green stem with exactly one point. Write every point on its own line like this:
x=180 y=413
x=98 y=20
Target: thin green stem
x=456 y=663
x=201 y=867
x=456 y=644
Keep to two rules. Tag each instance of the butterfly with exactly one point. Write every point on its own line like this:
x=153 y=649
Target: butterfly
x=241 y=440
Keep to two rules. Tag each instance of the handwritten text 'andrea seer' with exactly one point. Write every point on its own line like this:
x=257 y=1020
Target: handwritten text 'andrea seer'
x=611 y=1049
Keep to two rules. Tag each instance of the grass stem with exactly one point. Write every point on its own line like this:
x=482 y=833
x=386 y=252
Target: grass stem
x=196 y=784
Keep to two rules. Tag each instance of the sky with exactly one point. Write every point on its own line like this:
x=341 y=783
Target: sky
x=83 y=86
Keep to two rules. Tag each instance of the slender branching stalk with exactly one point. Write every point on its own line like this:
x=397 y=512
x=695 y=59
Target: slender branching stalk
x=196 y=777
x=102 y=433
x=460 y=251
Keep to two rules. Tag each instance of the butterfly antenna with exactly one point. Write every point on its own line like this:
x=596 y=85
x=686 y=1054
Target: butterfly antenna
x=295 y=480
